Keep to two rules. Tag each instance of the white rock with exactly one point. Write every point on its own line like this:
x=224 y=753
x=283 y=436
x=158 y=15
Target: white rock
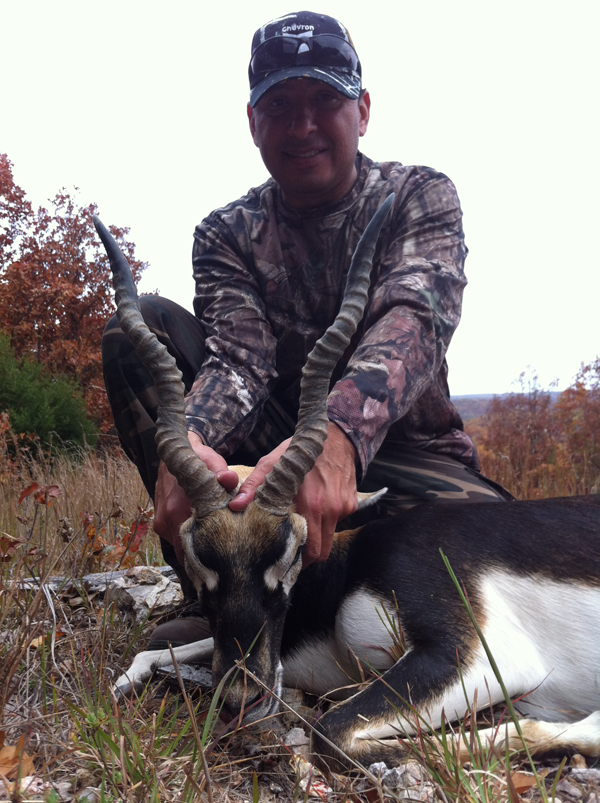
x=565 y=787
x=90 y=794
x=587 y=775
x=296 y=737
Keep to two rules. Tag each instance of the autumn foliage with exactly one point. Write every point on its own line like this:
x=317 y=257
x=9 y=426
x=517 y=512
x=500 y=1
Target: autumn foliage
x=538 y=444
x=55 y=288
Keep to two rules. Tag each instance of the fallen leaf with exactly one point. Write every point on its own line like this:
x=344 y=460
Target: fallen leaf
x=12 y=757
x=522 y=781
x=37 y=642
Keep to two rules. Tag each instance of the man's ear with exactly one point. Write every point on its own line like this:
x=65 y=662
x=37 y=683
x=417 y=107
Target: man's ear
x=364 y=113
x=252 y=123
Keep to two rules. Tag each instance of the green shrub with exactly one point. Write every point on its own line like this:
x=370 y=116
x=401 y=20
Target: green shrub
x=50 y=407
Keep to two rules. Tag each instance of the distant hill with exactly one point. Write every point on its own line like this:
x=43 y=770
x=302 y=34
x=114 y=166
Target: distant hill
x=472 y=406
x=477 y=405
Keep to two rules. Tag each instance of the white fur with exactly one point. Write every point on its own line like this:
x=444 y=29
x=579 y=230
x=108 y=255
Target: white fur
x=317 y=667
x=362 y=626
x=323 y=665
x=280 y=571
x=523 y=625
x=146 y=662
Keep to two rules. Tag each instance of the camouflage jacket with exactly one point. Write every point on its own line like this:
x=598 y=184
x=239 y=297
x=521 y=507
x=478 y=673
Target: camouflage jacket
x=269 y=281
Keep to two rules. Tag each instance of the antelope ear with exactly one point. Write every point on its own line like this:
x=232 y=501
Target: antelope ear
x=364 y=499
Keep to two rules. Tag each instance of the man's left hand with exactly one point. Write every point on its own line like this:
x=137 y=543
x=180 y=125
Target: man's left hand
x=327 y=494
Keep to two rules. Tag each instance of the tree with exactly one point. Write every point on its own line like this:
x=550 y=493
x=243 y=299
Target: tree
x=519 y=440
x=577 y=412
x=537 y=446
x=48 y=406
x=55 y=285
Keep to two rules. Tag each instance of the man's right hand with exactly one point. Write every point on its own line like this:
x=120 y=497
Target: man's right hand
x=171 y=505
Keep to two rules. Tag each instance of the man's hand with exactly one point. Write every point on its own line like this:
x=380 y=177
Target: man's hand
x=171 y=505
x=327 y=494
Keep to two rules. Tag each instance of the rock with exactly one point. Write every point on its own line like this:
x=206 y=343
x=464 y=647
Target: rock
x=297 y=741
x=294 y=699
x=410 y=778
x=589 y=776
x=31 y=787
x=64 y=789
x=91 y=794
x=192 y=675
x=144 y=591
x=76 y=602
x=83 y=777
x=140 y=592
x=565 y=787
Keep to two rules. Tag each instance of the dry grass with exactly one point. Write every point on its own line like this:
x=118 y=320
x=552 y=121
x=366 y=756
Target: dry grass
x=57 y=661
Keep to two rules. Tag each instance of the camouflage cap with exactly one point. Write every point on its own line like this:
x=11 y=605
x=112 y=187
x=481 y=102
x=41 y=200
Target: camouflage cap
x=304 y=45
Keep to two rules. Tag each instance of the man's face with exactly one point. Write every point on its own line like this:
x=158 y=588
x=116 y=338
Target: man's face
x=307 y=133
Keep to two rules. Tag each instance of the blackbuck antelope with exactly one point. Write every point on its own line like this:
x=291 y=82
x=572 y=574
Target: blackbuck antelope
x=531 y=571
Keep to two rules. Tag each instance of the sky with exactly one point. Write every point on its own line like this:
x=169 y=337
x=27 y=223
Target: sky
x=142 y=106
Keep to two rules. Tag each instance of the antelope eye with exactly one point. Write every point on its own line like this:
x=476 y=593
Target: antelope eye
x=297 y=557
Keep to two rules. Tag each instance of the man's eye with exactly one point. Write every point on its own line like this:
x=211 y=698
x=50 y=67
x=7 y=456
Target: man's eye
x=327 y=99
x=276 y=105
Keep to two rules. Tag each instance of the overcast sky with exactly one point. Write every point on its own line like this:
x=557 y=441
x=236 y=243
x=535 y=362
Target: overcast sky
x=142 y=106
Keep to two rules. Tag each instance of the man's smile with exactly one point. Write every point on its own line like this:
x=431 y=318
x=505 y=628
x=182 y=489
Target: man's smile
x=304 y=153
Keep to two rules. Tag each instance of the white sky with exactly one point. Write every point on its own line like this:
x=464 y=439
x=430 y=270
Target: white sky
x=142 y=106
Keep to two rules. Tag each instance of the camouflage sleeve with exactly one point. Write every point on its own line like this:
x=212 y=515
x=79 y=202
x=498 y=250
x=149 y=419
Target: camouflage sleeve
x=238 y=370
x=413 y=310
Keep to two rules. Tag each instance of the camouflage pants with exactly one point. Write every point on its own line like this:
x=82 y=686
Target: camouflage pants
x=412 y=476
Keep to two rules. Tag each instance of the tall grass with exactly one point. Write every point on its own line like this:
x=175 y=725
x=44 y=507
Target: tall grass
x=69 y=497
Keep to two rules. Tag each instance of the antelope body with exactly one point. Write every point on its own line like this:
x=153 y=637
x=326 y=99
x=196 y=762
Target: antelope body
x=531 y=571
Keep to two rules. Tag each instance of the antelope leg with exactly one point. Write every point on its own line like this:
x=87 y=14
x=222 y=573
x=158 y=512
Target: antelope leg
x=144 y=664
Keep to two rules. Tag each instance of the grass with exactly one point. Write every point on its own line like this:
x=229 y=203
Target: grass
x=83 y=512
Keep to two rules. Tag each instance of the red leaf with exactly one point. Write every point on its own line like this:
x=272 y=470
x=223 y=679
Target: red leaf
x=44 y=495
x=27 y=491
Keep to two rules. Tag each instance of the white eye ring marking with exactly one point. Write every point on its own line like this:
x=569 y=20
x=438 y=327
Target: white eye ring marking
x=287 y=568
x=196 y=569
x=210 y=578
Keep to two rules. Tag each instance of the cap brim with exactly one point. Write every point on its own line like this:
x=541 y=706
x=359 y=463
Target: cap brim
x=345 y=81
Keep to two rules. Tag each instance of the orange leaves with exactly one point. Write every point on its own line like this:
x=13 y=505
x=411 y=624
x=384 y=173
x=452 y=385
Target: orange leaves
x=27 y=491
x=522 y=781
x=43 y=495
x=8 y=545
x=55 y=284
x=121 y=554
x=14 y=761
x=540 y=444
x=38 y=642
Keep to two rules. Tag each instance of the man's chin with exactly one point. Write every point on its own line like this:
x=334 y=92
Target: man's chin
x=310 y=192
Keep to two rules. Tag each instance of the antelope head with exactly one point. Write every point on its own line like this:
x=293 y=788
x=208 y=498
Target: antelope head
x=244 y=564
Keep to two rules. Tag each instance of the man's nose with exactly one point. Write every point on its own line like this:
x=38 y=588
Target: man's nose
x=303 y=122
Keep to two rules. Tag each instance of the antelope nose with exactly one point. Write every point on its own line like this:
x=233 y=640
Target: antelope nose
x=231 y=708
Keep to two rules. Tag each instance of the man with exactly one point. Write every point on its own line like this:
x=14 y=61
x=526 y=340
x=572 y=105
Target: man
x=270 y=271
